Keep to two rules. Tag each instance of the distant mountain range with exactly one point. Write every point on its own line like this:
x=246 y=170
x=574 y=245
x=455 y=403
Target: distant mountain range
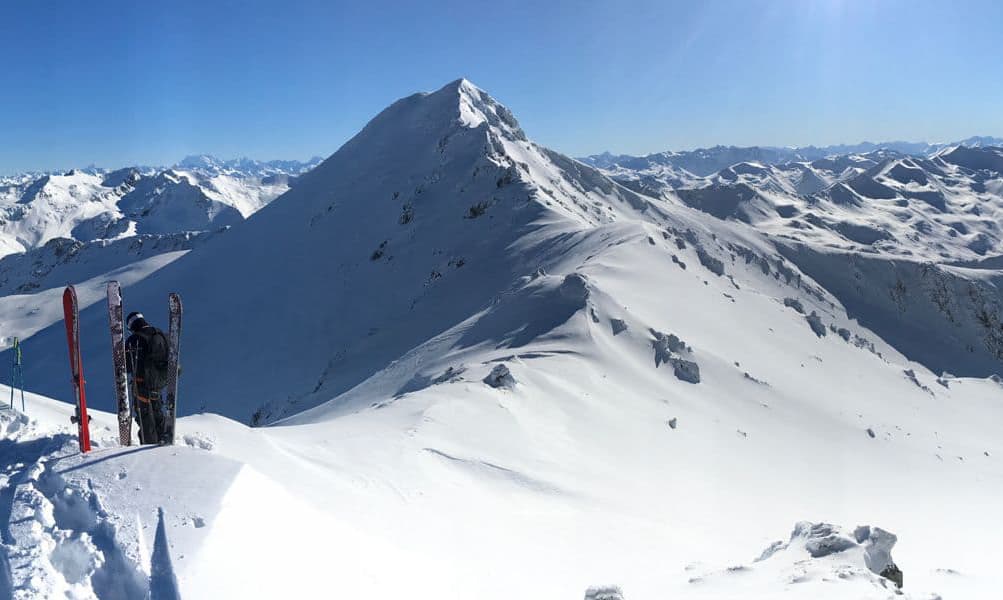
x=203 y=163
x=74 y=225
x=705 y=161
x=197 y=194
x=247 y=166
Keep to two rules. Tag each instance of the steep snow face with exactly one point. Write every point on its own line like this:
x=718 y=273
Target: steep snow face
x=245 y=194
x=947 y=318
x=402 y=233
x=169 y=202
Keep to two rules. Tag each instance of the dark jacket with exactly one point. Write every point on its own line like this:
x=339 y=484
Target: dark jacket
x=135 y=353
x=135 y=349
x=147 y=407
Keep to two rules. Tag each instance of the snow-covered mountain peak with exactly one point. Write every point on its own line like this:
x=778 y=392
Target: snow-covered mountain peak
x=974 y=158
x=477 y=107
x=200 y=161
x=458 y=104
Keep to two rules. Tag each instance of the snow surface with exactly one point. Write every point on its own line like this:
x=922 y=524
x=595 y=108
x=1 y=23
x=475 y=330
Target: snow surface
x=490 y=371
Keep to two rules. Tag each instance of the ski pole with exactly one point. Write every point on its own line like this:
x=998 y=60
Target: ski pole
x=19 y=373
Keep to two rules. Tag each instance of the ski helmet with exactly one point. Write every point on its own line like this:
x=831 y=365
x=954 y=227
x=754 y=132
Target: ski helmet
x=135 y=321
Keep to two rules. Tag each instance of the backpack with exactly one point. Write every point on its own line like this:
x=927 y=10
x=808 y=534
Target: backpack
x=154 y=367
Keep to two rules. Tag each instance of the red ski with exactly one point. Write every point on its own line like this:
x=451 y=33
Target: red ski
x=71 y=317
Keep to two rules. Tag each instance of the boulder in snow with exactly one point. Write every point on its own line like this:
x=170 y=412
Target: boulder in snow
x=500 y=377
x=815 y=322
x=795 y=304
x=821 y=539
x=877 y=544
x=714 y=265
x=686 y=370
x=575 y=287
x=618 y=326
x=824 y=539
x=604 y=592
x=670 y=349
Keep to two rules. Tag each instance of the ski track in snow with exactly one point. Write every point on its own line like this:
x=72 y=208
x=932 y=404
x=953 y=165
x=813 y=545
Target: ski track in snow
x=57 y=531
x=59 y=538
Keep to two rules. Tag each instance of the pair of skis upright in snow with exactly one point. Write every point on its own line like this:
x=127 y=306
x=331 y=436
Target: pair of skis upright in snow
x=117 y=325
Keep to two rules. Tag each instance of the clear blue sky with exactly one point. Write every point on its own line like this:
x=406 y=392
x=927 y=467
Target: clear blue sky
x=117 y=83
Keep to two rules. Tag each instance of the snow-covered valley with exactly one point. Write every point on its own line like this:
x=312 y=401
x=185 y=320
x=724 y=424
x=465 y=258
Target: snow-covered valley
x=479 y=368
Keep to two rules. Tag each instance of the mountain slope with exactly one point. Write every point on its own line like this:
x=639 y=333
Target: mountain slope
x=886 y=233
x=379 y=248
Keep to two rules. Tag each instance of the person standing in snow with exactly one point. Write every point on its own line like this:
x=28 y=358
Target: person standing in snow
x=146 y=353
